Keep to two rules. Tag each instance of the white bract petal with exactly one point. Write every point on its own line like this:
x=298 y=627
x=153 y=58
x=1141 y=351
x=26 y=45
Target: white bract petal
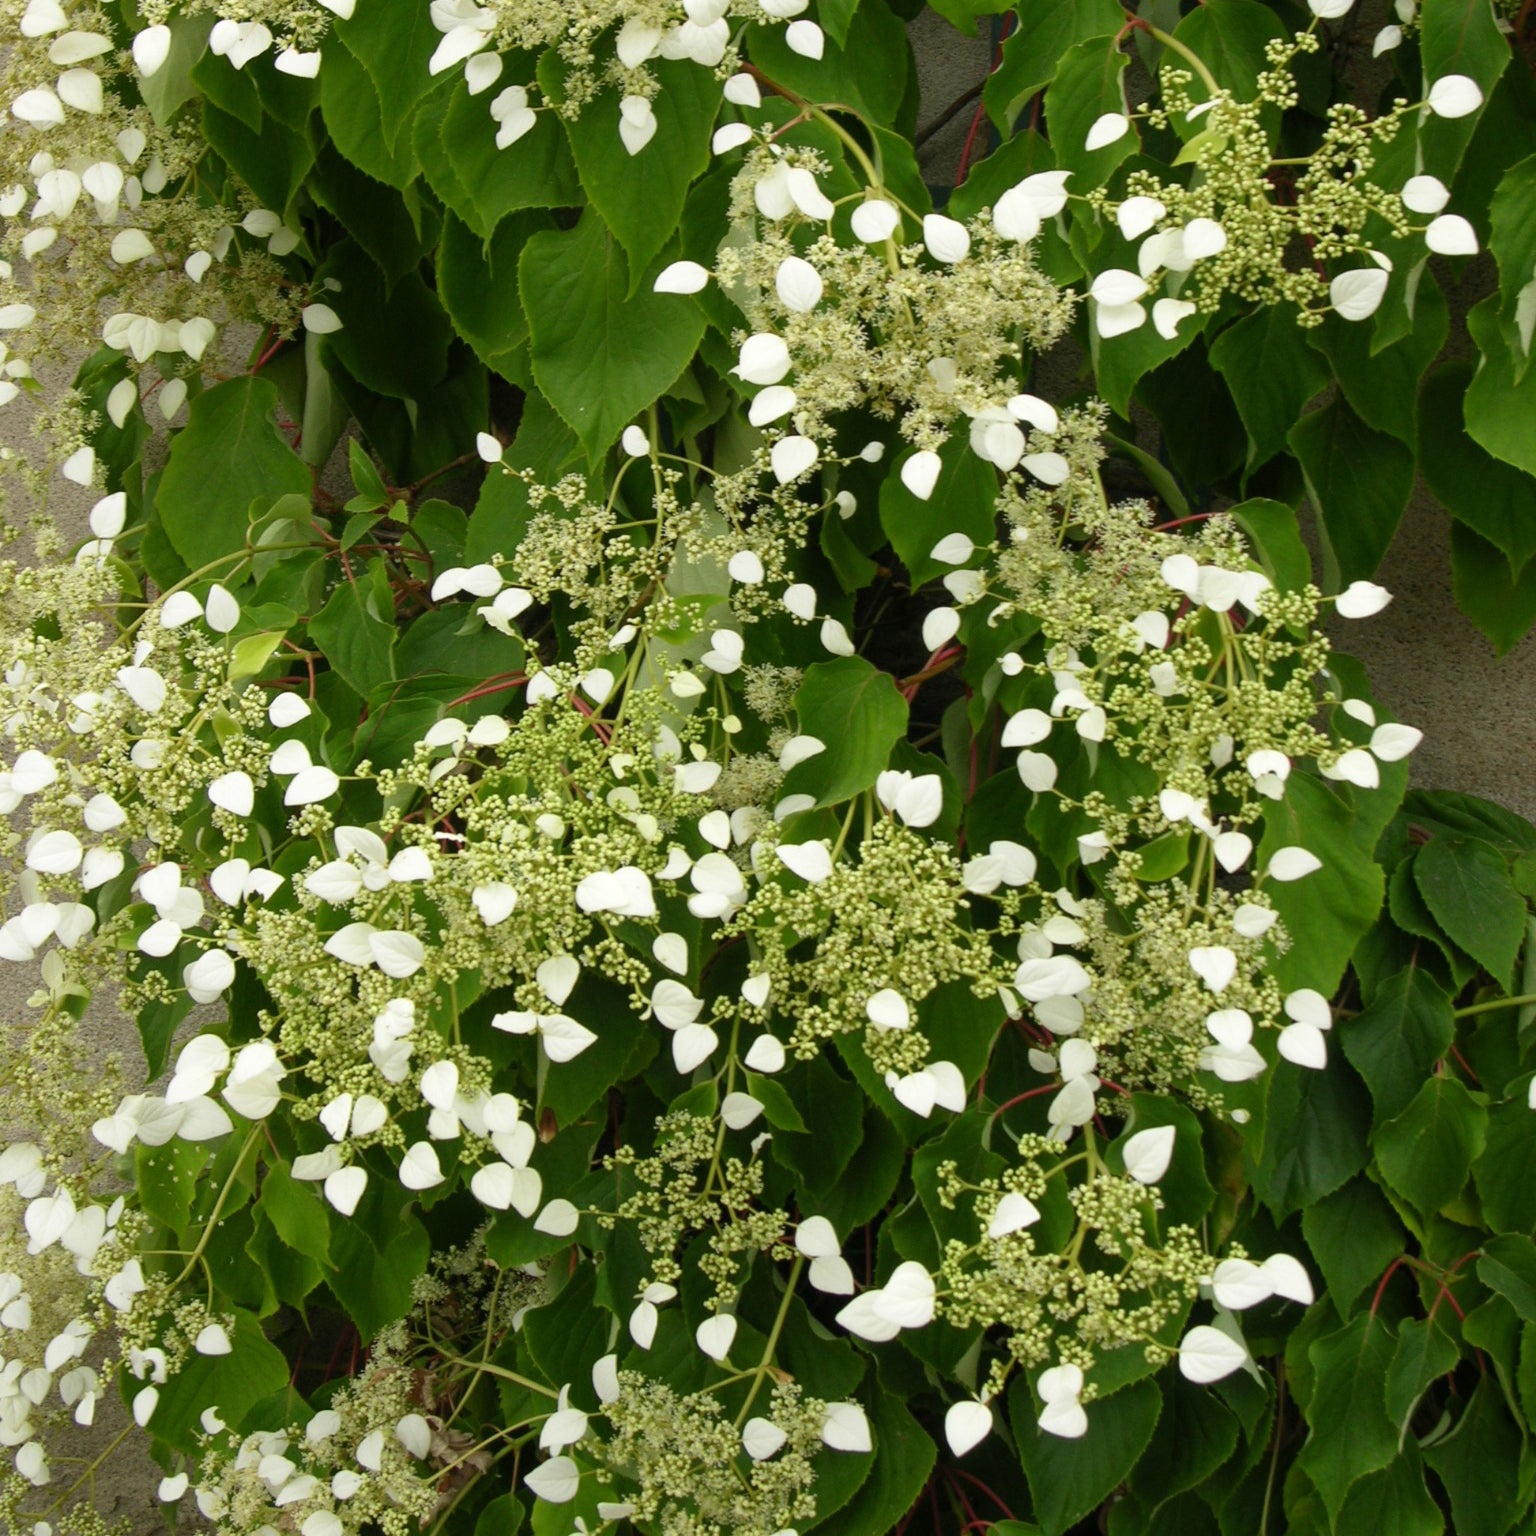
x=1148 y=1153
x=947 y=239
x=920 y=473
x=763 y=359
x=1451 y=235
x=1362 y=599
x=1293 y=863
x=1357 y=294
x=875 y=220
x=1207 y=1354
x=681 y=277
x=966 y=1425
x=761 y=1439
x=1425 y=194
x=715 y=1335
x=1106 y=129
x=1454 y=96
x=845 y=1428
x=798 y=285
x=791 y=457
x=1214 y=964
x=805 y=38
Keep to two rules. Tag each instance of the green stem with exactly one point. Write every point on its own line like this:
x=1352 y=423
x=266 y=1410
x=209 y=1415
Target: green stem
x=1498 y=1002
x=1169 y=41
x=218 y=1208
x=773 y=1339
x=506 y=1375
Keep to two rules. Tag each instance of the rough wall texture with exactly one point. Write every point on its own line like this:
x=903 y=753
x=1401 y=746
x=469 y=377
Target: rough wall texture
x=1428 y=665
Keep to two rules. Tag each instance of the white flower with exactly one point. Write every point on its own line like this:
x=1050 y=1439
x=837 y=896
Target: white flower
x=637 y=123
x=1060 y=1388
x=917 y=802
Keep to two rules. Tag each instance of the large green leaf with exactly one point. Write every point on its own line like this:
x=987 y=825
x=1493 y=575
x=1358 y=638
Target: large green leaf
x=1501 y=606
x=234 y=1383
x=228 y=455
x=1508 y=1266
x=1353 y=1235
x=1457 y=37
x=1229 y=35
x=904 y=1457
x=393 y=339
x=1479 y=1463
x=1314 y=1135
x=397 y=229
x=297 y=1213
x=272 y=161
x=1486 y=494
x=1503 y=1173
x=1513 y=243
x=1383 y=386
x=380 y=1260
x=641 y=196
x=1089 y=82
x=868 y=71
x=1395 y=1042
x=356 y=629
x=1035 y=47
x=1392 y=1501
x=1500 y=402
x=1069 y=1479
x=1467 y=886
x=393 y=43
x=963 y=501
x=1273 y=531
x=172 y=85
x=483 y=184
x=355 y=117
x=856 y=712
x=1194 y=1436
x=1271 y=371
x=1359 y=480
x=1425 y=1352
x=1427 y=1152
x=1351 y=1433
x=1328 y=911
x=477 y=282
x=600 y=354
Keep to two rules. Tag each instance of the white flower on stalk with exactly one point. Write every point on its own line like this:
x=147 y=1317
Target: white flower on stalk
x=1232 y=1056
x=1060 y=1388
x=915 y=801
x=512 y=115
x=938 y=1085
x=253 y=1086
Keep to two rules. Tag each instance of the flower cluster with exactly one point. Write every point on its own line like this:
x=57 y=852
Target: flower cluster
x=111 y=235
x=1267 y=230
